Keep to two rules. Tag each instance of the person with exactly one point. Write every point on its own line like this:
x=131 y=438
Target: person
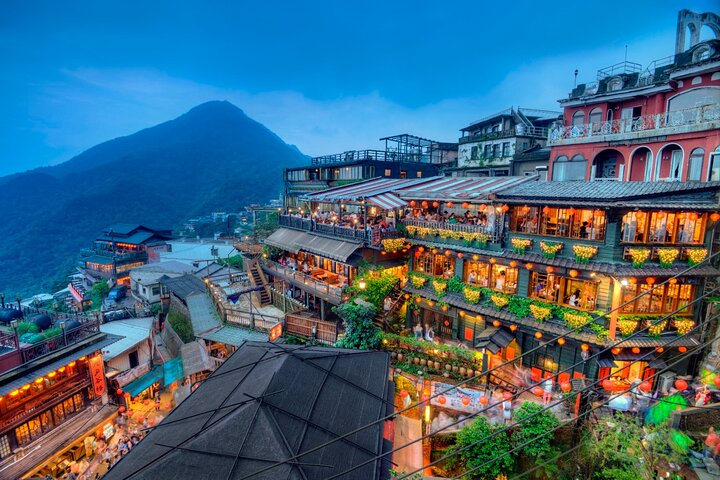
x=547 y=390
x=583 y=230
x=157 y=402
x=387 y=304
x=418 y=332
x=683 y=235
x=429 y=333
x=472 y=277
x=507 y=410
x=500 y=281
x=702 y=396
x=575 y=298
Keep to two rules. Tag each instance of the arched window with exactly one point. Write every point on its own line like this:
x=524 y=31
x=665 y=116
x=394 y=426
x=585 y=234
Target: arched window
x=696 y=162
x=715 y=165
x=595 y=115
x=565 y=169
x=578 y=118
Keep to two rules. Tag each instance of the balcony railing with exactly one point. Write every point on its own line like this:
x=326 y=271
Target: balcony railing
x=518 y=130
x=373 y=236
x=59 y=342
x=377 y=155
x=303 y=280
x=698 y=118
x=455 y=227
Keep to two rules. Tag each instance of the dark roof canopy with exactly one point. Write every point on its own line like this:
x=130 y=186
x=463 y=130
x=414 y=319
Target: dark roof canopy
x=267 y=403
x=183 y=286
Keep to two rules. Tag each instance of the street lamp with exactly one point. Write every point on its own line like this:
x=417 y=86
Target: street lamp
x=2 y=299
x=362 y=285
x=62 y=326
x=14 y=325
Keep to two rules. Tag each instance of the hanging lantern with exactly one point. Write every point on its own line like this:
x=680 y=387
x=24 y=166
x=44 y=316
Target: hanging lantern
x=436 y=204
x=529 y=266
x=39 y=380
x=26 y=387
x=465 y=205
x=444 y=308
x=424 y=204
x=681 y=215
x=546 y=210
x=492 y=260
x=119 y=391
x=646 y=386
x=598 y=213
x=635 y=350
x=513 y=328
x=650 y=280
x=715 y=217
x=673 y=281
x=407 y=295
x=616 y=350
x=566 y=387
x=459 y=255
x=659 y=349
x=484 y=400
x=404 y=393
x=505 y=208
x=483 y=207
x=693 y=216
x=584 y=347
x=538 y=335
x=430 y=303
x=571 y=210
x=421 y=249
x=442 y=399
x=448 y=253
x=434 y=251
x=716 y=381
x=681 y=385
x=418 y=254
x=549 y=269
x=537 y=391
x=561 y=341
x=661 y=215
x=513 y=264
x=121 y=409
x=573 y=273
x=465 y=400
x=496 y=323
x=525 y=209
x=632 y=280
x=475 y=257
x=507 y=395
x=450 y=204
x=418 y=299
x=682 y=349
x=413 y=203
x=462 y=314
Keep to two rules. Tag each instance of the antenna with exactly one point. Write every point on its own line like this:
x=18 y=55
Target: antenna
x=626 y=53
x=575 y=81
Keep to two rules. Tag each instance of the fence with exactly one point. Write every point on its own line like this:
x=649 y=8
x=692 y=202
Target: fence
x=309 y=327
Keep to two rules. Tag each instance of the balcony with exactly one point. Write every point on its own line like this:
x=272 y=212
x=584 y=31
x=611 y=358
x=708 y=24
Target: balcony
x=357 y=234
x=681 y=121
x=468 y=233
x=312 y=284
x=517 y=131
x=376 y=155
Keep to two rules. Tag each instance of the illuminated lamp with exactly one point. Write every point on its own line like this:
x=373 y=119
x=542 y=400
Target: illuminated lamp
x=650 y=280
x=71 y=364
x=450 y=204
x=681 y=385
x=716 y=381
x=119 y=391
x=616 y=350
x=484 y=400
x=661 y=215
x=566 y=386
x=693 y=216
x=571 y=210
x=436 y=204
x=15 y=393
x=492 y=260
x=430 y=303
x=460 y=255
x=421 y=249
x=682 y=349
x=39 y=380
x=26 y=387
x=475 y=257
x=465 y=204
x=465 y=400
x=525 y=209
x=462 y=314
x=434 y=251
x=573 y=273
x=413 y=203
x=442 y=399
x=418 y=299
x=513 y=264
x=538 y=334
x=496 y=323
x=513 y=328
x=507 y=395
x=483 y=207
x=561 y=341
x=598 y=213
x=82 y=359
x=632 y=280
x=635 y=350
x=51 y=374
x=383 y=252
x=584 y=347
x=407 y=295
x=61 y=369
x=546 y=210
x=549 y=269
x=659 y=349
x=715 y=217
x=505 y=208
x=448 y=253
x=444 y=308
x=121 y=409
x=681 y=215
x=424 y=204
x=646 y=386
x=673 y=281
x=529 y=266
x=417 y=254
x=593 y=274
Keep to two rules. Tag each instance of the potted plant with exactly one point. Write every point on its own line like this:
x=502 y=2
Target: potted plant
x=550 y=248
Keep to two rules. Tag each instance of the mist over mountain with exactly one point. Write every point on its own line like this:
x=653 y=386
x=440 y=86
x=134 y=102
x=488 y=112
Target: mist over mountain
x=213 y=157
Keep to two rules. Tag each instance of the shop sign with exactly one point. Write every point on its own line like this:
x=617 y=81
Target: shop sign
x=275 y=331
x=97 y=375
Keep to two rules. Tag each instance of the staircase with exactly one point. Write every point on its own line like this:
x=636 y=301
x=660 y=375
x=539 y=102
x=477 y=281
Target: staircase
x=257 y=279
x=397 y=300
x=501 y=382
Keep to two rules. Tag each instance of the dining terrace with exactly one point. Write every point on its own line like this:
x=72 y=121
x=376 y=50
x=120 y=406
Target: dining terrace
x=316 y=281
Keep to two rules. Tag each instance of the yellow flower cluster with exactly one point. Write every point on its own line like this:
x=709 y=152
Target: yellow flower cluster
x=574 y=320
x=420 y=231
x=418 y=281
x=551 y=248
x=439 y=286
x=540 y=313
x=627 y=327
x=447 y=233
x=393 y=244
x=656 y=328
x=520 y=243
x=696 y=255
x=585 y=252
x=499 y=301
x=684 y=326
x=639 y=255
x=471 y=295
x=667 y=255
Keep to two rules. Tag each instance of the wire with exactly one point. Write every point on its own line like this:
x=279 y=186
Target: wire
x=591 y=386
x=601 y=404
x=542 y=345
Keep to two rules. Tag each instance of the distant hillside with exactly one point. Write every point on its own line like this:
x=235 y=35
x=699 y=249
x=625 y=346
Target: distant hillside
x=214 y=157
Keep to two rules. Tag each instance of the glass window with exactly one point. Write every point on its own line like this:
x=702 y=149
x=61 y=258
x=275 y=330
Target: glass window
x=68 y=406
x=419 y=174
x=79 y=401
x=690 y=228
x=580 y=294
x=663 y=299
x=506 y=149
x=545 y=287
x=487 y=150
x=496 y=150
x=578 y=118
x=22 y=433
x=595 y=118
x=435 y=264
x=388 y=172
x=5 y=446
x=633 y=227
x=525 y=219
x=58 y=413
x=559 y=222
x=663 y=227
x=477 y=274
x=504 y=279
x=696 y=161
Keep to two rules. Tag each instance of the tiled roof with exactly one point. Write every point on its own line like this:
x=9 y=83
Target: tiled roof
x=184 y=286
x=583 y=190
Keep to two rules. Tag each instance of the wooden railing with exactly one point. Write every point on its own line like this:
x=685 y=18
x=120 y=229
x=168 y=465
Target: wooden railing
x=305 y=326
x=303 y=280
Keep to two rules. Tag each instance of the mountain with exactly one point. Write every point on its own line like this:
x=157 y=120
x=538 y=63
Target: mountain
x=213 y=157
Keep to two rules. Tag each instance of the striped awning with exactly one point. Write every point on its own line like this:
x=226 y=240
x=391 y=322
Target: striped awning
x=373 y=190
x=462 y=188
x=386 y=201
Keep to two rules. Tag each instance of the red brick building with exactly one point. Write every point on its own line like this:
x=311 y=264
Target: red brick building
x=659 y=123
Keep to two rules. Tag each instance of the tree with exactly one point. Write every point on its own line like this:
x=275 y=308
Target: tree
x=234 y=261
x=534 y=425
x=484 y=450
x=99 y=292
x=360 y=329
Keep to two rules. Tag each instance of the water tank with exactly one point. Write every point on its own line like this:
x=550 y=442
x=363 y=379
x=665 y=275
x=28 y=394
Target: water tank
x=9 y=314
x=42 y=321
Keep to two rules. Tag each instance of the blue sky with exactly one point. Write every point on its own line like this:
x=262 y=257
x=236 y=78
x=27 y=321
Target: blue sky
x=326 y=76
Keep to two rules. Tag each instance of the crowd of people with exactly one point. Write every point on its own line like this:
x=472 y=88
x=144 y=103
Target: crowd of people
x=467 y=218
x=355 y=220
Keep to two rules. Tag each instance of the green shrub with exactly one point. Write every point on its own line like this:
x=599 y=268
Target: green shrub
x=27 y=327
x=182 y=326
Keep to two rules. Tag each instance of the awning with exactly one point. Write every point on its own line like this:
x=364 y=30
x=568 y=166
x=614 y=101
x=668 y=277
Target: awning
x=365 y=190
x=494 y=339
x=141 y=384
x=461 y=188
x=606 y=362
x=172 y=371
x=386 y=201
x=294 y=241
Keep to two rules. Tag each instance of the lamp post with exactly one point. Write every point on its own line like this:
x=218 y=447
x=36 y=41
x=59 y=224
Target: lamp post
x=14 y=325
x=64 y=332
x=18 y=300
x=2 y=299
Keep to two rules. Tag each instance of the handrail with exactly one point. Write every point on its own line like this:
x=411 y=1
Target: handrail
x=306 y=280
x=518 y=130
x=377 y=155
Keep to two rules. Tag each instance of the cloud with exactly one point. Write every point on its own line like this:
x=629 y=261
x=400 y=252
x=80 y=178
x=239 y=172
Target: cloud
x=91 y=105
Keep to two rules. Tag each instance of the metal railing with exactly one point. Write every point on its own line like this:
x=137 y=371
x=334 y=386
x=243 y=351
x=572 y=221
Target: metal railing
x=377 y=155
x=518 y=130
x=60 y=341
x=300 y=278
x=372 y=236
x=646 y=123
x=117 y=254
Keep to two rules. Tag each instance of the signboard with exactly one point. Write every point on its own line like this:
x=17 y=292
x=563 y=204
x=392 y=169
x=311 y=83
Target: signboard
x=97 y=375
x=454 y=398
x=275 y=332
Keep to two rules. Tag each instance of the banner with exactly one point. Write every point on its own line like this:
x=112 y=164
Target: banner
x=97 y=375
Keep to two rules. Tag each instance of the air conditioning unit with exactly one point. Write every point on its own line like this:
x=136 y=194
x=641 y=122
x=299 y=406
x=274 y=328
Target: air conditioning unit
x=665 y=382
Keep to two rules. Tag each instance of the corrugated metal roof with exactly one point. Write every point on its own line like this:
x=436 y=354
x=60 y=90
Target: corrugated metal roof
x=133 y=331
x=202 y=312
x=232 y=335
x=294 y=241
x=462 y=188
x=588 y=191
x=364 y=190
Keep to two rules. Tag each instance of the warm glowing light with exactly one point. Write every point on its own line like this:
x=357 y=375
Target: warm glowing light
x=459 y=255
x=51 y=374
x=529 y=266
x=82 y=358
x=71 y=364
x=450 y=204
x=584 y=347
x=715 y=217
x=15 y=393
x=624 y=282
x=650 y=280
x=682 y=349
x=616 y=350
x=448 y=253
x=496 y=323
x=492 y=260
x=635 y=350
x=362 y=285
x=475 y=257
x=632 y=280
x=39 y=380
x=561 y=341
x=659 y=349
x=573 y=273
x=61 y=369
x=421 y=249
x=538 y=335
x=413 y=203
x=513 y=328
x=505 y=208
x=26 y=387
x=436 y=204
x=427 y=414
x=513 y=264
x=593 y=274
x=549 y=269
x=462 y=314
x=465 y=204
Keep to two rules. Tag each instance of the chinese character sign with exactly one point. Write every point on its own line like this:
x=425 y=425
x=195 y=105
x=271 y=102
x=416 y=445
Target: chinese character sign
x=97 y=375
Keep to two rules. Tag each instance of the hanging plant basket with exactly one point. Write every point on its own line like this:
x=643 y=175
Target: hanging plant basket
x=667 y=256
x=520 y=245
x=550 y=249
x=639 y=256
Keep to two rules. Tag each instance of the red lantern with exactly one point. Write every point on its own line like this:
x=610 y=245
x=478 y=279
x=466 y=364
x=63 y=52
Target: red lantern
x=546 y=210
x=151 y=422
x=442 y=399
x=693 y=216
x=716 y=381
x=661 y=215
x=404 y=393
x=659 y=349
x=484 y=400
x=537 y=391
x=436 y=204
x=681 y=385
x=525 y=209
x=505 y=208
x=119 y=391
x=418 y=254
x=121 y=409
x=565 y=386
x=130 y=413
x=538 y=335
x=571 y=210
x=650 y=280
x=507 y=395
x=573 y=273
x=529 y=266
x=561 y=341
x=682 y=349
x=607 y=384
x=459 y=255
x=465 y=204
x=166 y=406
x=421 y=249
x=447 y=253
x=465 y=400
x=513 y=328
x=632 y=280
x=549 y=269
x=450 y=204
x=492 y=260
x=513 y=264
x=646 y=386
x=424 y=204
x=584 y=347
x=140 y=419
x=715 y=217
x=496 y=323
x=636 y=350
x=483 y=207
x=413 y=203
x=616 y=350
